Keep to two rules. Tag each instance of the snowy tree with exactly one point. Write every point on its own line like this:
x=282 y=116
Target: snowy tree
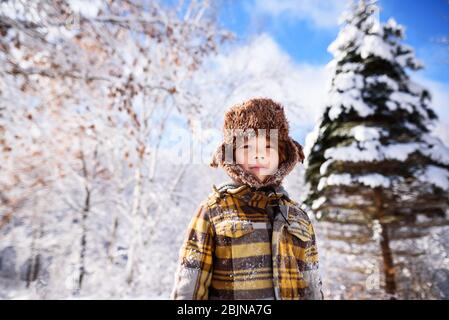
x=86 y=91
x=376 y=173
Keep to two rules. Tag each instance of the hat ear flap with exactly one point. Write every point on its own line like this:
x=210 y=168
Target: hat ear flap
x=217 y=157
x=299 y=151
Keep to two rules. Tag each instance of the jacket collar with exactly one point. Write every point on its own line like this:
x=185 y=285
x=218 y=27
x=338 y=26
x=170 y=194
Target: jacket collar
x=258 y=197
x=240 y=189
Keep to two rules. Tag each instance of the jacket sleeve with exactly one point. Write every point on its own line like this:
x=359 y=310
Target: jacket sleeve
x=312 y=275
x=194 y=270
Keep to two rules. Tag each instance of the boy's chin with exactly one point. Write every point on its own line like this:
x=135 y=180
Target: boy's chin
x=262 y=178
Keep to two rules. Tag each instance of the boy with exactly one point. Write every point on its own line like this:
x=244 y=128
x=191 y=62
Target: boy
x=249 y=240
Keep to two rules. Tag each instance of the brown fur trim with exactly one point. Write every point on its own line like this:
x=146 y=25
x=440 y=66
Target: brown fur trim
x=249 y=116
x=216 y=157
x=300 y=151
x=238 y=174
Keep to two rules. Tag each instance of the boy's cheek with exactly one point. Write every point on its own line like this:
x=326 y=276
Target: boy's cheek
x=268 y=171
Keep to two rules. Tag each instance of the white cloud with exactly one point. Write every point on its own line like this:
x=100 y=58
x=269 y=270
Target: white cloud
x=321 y=13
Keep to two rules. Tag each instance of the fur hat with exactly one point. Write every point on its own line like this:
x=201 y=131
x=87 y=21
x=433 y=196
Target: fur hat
x=244 y=119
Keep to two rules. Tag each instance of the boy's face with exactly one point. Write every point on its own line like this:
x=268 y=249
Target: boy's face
x=258 y=156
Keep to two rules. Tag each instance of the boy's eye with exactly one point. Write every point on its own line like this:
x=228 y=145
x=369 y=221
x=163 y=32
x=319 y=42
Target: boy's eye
x=246 y=146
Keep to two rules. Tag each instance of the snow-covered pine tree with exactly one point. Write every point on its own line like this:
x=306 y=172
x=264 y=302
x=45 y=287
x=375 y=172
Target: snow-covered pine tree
x=373 y=167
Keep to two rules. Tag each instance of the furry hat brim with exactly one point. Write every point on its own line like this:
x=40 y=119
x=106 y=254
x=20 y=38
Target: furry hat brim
x=293 y=152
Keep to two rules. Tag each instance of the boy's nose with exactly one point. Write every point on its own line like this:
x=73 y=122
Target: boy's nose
x=258 y=160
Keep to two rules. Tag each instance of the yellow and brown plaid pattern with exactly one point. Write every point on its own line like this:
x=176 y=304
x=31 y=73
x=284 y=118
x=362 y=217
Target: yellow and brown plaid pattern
x=232 y=249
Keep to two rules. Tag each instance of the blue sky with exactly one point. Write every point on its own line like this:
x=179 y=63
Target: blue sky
x=307 y=42
x=305 y=28
x=282 y=47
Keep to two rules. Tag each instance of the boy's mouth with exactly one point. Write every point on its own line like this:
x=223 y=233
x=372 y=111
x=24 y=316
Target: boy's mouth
x=257 y=168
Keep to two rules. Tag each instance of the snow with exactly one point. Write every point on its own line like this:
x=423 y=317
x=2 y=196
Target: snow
x=346 y=94
x=373 y=38
x=371 y=180
x=399 y=151
x=42 y=175
x=368 y=148
x=406 y=101
x=364 y=133
x=384 y=79
x=325 y=165
x=349 y=34
x=86 y=8
x=352 y=66
x=347 y=100
x=367 y=45
x=374 y=180
x=382 y=41
x=318 y=202
x=373 y=150
x=348 y=80
x=415 y=88
x=436 y=176
x=406 y=57
x=392 y=106
x=392 y=24
x=374 y=45
x=436 y=149
x=311 y=139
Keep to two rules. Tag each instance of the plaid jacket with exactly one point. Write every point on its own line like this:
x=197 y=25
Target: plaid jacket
x=234 y=250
